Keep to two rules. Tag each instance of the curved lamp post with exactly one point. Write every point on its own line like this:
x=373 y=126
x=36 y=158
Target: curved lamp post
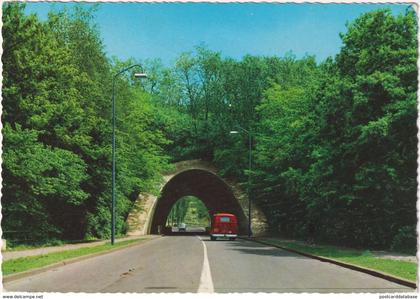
x=136 y=75
x=249 y=175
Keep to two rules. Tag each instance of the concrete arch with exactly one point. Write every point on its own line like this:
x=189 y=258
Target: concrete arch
x=201 y=179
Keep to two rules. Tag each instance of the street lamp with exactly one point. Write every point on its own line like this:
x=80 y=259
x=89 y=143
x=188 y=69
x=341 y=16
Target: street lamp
x=249 y=175
x=136 y=75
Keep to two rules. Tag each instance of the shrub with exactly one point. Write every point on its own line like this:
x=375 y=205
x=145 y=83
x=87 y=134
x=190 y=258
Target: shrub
x=405 y=240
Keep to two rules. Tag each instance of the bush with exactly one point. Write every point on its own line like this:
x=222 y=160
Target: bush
x=405 y=240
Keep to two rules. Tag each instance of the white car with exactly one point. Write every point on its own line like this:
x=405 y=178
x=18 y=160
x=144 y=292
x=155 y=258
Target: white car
x=182 y=227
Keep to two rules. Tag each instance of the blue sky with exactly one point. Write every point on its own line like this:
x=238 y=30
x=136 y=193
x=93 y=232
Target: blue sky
x=164 y=30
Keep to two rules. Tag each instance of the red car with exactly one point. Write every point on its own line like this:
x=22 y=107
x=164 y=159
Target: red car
x=224 y=225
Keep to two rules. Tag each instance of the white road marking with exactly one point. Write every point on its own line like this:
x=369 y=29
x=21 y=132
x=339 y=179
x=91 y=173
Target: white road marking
x=206 y=282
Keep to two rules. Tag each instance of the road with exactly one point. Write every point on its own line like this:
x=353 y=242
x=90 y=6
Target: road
x=196 y=264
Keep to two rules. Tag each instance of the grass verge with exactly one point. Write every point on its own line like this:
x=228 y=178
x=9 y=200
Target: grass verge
x=38 y=261
x=402 y=269
x=21 y=247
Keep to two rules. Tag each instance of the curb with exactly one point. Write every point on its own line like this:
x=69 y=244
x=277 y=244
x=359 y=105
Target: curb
x=16 y=276
x=343 y=264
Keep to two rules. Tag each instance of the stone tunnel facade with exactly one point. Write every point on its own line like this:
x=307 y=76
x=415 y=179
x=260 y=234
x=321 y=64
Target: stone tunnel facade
x=197 y=178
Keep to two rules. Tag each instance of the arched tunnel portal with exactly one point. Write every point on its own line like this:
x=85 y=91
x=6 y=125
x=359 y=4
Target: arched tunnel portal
x=200 y=179
x=207 y=186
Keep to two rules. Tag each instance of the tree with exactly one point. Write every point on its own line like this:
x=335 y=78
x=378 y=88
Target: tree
x=57 y=119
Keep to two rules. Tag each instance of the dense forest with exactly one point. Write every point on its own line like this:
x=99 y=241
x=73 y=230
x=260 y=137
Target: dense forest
x=334 y=143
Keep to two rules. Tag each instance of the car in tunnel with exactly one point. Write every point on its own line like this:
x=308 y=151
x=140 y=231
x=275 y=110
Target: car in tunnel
x=182 y=227
x=223 y=225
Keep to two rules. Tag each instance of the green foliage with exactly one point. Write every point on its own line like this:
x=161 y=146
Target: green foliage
x=405 y=240
x=57 y=130
x=40 y=186
x=334 y=144
x=337 y=158
x=190 y=210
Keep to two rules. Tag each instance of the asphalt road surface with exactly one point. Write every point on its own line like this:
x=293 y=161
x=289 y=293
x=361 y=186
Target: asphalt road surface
x=196 y=264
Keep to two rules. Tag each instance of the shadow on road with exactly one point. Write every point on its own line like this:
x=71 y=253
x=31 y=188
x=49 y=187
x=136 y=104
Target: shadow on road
x=259 y=249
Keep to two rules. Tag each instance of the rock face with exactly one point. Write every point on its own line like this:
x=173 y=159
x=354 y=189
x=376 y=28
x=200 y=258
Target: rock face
x=198 y=178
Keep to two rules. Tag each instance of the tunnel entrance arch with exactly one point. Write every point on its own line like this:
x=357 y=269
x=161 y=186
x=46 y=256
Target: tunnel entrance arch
x=196 y=178
x=216 y=195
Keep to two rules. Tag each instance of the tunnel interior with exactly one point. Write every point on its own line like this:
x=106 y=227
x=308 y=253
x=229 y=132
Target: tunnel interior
x=189 y=210
x=208 y=187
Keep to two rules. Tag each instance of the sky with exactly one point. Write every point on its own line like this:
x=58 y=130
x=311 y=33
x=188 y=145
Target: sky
x=164 y=30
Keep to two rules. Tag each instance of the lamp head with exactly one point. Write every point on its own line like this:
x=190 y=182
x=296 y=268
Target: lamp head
x=140 y=75
x=234 y=132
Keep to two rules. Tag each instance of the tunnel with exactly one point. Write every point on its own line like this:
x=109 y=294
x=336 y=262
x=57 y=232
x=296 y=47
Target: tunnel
x=216 y=195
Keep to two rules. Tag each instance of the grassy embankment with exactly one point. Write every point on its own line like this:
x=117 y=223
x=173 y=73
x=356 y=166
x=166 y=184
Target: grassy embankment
x=398 y=268
x=38 y=261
